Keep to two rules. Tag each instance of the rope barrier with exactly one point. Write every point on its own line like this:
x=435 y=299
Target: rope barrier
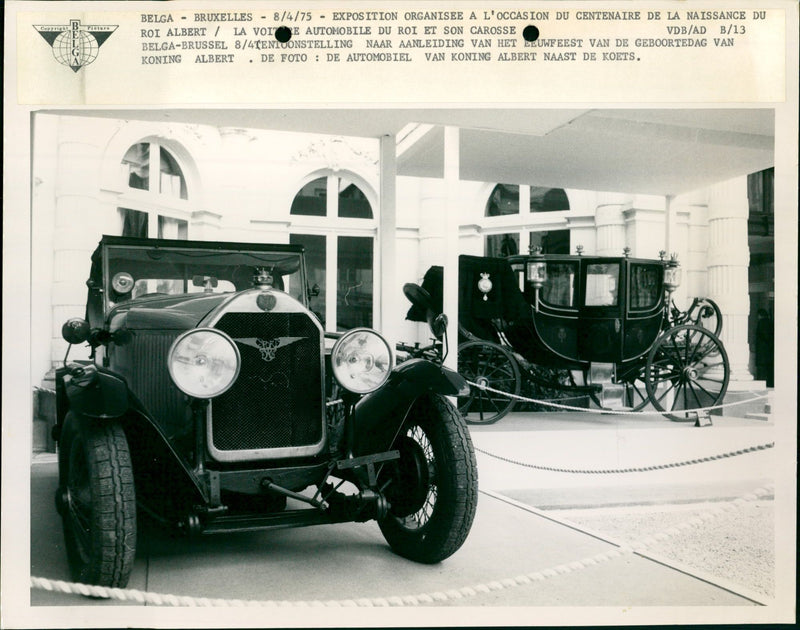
x=612 y=411
x=162 y=599
x=689 y=462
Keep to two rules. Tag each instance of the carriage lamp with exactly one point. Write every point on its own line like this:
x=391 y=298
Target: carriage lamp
x=672 y=274
x=536 y=274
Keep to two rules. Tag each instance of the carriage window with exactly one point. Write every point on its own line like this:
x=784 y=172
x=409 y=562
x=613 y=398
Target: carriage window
x=602 y=281
x=559 y=289
x=645 y=285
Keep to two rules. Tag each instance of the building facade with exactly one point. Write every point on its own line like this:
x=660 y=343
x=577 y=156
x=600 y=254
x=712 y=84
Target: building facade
x=101 y=175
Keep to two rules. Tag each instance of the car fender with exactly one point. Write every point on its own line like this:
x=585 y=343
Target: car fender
x=95 y=392
x=378 y=416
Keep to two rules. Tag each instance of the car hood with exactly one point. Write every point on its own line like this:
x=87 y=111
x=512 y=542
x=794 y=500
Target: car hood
x=174 y=312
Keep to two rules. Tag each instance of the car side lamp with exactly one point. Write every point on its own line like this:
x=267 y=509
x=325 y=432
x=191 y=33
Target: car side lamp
x=536 y=273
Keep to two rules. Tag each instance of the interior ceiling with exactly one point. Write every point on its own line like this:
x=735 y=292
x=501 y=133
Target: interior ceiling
x=642 y=151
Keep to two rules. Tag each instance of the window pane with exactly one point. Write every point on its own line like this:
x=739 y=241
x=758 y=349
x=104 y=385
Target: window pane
x=136 y=165
x=353 y=203
x=315 y=267
x=354 y=282
x=552 y=242
x=172 y=182
x=548 y=199
x=559 y=288
x=503 y=200
x=502 y=245
x=134 y=223
x=602 y=280
x=312 y=199
x=172 y=228
x=645 y=285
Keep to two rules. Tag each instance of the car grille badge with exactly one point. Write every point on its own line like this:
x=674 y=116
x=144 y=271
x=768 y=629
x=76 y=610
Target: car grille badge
x=267 y=347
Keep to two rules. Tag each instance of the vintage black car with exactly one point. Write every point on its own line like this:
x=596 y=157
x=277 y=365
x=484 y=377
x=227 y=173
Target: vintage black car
x=215 y=402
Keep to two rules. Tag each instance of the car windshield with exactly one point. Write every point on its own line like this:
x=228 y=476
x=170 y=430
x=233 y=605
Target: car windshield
x=134 y=272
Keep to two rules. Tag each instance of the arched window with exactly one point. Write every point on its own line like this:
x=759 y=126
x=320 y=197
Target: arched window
x=503 y=200
x=333 y=219
x=506 y=236
x=548 y=199
x=351 y=203
x=155 y=200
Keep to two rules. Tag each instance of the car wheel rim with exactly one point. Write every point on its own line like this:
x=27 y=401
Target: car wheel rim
x=420 y=493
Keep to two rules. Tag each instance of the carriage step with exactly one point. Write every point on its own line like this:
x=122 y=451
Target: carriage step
x=601 y=373
x=613 y=396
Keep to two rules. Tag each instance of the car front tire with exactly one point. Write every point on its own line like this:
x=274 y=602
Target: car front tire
x=433 y=488
x=97 y=501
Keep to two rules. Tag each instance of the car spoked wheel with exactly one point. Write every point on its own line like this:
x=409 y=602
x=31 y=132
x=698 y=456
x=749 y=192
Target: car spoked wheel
x=433 y=488
x=412 y=496
x=97 y=502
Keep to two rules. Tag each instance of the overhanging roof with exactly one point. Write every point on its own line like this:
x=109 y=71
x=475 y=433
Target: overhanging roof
x=643 y=151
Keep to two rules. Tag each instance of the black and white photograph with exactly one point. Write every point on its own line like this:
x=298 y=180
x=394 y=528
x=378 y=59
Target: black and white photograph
x=478 y=362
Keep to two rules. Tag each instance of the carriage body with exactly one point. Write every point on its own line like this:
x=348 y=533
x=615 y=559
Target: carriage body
x=590 y=309
x=600 y=327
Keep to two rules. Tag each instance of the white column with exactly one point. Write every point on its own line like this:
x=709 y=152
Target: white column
x=728 y=259
x=432 y=210
x=80 y=220
x=389 y=316
x=450 y=288
x=610 y=224
x=695 y=266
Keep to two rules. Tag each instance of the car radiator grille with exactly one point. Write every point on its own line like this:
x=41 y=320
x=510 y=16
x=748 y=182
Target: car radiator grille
x=276 y=402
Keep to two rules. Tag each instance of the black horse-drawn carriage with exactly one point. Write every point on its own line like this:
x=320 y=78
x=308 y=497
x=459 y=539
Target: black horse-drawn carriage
x=603 y=329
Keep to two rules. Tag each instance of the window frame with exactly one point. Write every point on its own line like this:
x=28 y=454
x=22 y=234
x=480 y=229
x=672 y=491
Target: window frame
x=331 y=226
x=154 y=203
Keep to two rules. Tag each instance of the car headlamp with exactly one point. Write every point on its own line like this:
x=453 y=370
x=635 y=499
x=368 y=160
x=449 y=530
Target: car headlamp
x=361 y=360
x=204 y=363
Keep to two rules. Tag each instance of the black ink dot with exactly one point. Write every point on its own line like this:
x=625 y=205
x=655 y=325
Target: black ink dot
x=530 y=33
x=283 y=34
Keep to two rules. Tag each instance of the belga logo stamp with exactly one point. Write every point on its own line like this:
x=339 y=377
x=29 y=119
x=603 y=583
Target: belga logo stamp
x=73 y=44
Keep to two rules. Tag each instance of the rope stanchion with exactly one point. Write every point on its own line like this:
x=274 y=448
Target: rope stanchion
x=621 y=550
x=613 y=412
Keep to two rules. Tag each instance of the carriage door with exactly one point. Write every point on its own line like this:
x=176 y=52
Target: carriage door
x=600 y=324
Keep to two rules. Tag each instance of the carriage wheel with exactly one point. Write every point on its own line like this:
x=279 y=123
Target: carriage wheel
x=706 y=313
x=687 y=368
x=486 y=364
